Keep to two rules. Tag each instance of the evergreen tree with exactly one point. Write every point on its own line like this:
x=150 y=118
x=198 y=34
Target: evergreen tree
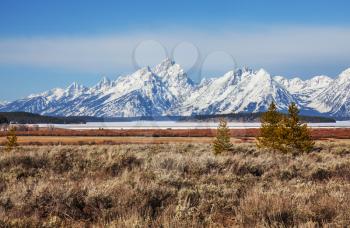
x=222 y=141
x=296 y=135
x=284 y=133
x=11 y=139
x=270 y=129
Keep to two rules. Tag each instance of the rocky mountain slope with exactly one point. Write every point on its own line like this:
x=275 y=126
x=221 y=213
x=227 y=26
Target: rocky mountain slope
x=167 y=90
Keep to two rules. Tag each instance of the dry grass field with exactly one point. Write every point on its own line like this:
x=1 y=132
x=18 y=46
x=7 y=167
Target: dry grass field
x=174 y=185
x=151 y=136
x=109 y=140
x=317 y=133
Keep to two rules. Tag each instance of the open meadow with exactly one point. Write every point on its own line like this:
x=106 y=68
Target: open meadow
x=174 y=185
x=152 y=136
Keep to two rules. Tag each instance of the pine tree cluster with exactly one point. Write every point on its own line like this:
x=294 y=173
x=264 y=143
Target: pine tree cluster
x=284 y=133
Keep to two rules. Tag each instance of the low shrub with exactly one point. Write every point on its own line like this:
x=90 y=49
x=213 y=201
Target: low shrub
x=182 y=185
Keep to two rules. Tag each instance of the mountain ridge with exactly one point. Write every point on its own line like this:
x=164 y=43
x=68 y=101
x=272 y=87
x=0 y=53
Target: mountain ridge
x=166 y=89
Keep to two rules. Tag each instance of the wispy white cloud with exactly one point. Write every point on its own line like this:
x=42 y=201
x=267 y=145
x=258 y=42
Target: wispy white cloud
x=269 y=47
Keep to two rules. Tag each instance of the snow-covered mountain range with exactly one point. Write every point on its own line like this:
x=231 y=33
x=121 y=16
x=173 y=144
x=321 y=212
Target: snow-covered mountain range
x=167 y=90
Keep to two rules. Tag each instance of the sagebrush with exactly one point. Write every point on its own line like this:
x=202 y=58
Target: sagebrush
x=173 y=185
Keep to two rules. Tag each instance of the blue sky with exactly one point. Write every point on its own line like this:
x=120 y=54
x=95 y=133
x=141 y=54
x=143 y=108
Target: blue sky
x=45 y=44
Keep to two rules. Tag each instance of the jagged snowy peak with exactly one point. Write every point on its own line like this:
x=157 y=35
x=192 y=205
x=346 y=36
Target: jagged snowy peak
x=305 y=91
x=136 y=93
x=210 y=92
x=36 y=103
x=102 y=85
x=167 y=90
x=49 y=102
x=296 y=85
x=321 y=81
x=31 y=104
x=135 y=103
x=149 y=90
x=335 y=99
x=292 y=85
x=143 y=80
x=259 y=91
x=160 y=89
x=344 y=77
x=174 y=78
x=240 y=91
x=142 y=93
x=73 y=90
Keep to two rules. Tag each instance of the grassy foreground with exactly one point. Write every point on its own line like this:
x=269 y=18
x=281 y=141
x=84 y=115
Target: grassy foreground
x=174 y=185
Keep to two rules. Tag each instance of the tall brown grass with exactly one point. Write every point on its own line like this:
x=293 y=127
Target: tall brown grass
x=173 y=185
